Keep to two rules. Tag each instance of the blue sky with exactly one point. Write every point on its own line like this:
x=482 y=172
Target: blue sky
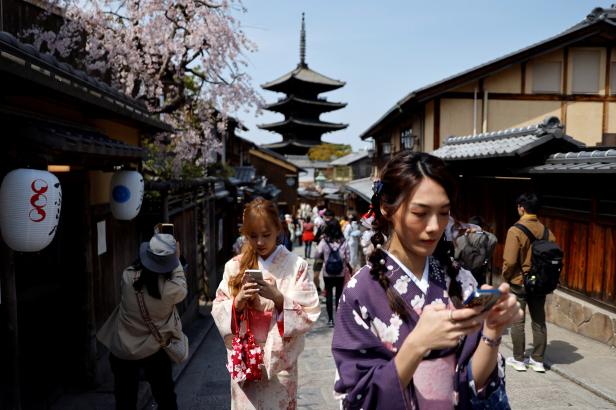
x=385 y=49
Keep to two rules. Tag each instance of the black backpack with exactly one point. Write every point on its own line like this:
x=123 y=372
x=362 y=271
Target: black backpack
x=546 y=263
x=474 y=249
x=334 y=265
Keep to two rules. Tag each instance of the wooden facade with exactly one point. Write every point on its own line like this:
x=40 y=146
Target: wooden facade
x=521 y=88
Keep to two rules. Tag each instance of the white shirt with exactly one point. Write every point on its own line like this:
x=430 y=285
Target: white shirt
x=422 y=283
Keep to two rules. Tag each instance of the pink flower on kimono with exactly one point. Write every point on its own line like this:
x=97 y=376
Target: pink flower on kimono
x=352 y=282
x=438 y=301
x=359 y=320
x=388 y=334
x=418 y=303
x=402 y=284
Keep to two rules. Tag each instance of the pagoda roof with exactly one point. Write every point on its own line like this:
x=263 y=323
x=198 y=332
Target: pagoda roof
x=304 y=77
x=292 y=146
x=292 y=123
x=291 y=101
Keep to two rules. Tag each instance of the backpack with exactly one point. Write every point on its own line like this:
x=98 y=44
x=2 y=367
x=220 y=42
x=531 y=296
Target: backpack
x=473 y=249
x=334 y=265
x=546 y=263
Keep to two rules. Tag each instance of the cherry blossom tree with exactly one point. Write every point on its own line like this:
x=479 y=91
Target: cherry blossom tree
x=183 y=58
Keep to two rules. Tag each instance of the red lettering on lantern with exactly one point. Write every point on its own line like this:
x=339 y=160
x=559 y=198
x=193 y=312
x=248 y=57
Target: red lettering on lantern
x=38 y=214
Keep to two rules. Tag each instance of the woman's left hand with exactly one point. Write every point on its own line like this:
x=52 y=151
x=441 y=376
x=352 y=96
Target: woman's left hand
x=505 y=312
x=269 y=290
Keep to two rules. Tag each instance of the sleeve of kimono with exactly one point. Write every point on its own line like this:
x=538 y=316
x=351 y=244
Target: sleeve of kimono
x=493 y=395
x=301 y=304
x=221 y=308
x=175 y=290
x=367 y=372
x=510 y=254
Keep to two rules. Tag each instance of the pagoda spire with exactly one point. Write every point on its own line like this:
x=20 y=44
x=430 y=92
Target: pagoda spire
x=302 y=44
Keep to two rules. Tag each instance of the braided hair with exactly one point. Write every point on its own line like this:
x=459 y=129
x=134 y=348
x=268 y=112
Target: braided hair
x=399 y=177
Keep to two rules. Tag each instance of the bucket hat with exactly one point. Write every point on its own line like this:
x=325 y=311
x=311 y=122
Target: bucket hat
x=158 y=255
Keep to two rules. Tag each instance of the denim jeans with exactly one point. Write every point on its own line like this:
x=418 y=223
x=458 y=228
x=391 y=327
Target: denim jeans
x=536 y=308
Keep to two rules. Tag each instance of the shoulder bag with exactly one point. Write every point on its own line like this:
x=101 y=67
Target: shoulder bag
x=176 y=349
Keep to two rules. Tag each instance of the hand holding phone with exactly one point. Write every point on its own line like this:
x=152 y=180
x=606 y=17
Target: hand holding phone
x=254 y=274
x=486 y=298
x=164 y=228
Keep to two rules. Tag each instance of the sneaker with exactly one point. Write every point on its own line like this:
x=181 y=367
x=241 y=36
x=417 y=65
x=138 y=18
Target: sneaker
x=516 y=364
x=330 y=323
x=536 y=366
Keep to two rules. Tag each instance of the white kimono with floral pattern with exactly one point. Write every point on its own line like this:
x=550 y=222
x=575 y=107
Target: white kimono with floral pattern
x=285 y=337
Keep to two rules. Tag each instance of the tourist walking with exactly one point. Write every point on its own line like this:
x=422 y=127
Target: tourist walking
x=155 y=283
x=516 y=264
x=307 y=237
x=334 y=251
x=278 y=306
x=402 y=338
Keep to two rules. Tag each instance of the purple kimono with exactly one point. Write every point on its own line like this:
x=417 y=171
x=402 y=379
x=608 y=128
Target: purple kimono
x=368 y=334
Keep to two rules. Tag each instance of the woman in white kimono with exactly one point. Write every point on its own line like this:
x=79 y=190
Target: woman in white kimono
x=281 y=308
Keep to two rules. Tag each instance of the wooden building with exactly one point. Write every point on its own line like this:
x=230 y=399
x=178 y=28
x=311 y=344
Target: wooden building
x=356 y=165
x=570 y=75
x=53 y=301
x=578 y=205
x=302 y=127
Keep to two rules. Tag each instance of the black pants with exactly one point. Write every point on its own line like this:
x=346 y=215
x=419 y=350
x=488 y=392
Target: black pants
x=157 y=370
x=330 y=283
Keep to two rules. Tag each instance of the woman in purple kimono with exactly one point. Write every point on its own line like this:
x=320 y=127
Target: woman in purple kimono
x=402 y=339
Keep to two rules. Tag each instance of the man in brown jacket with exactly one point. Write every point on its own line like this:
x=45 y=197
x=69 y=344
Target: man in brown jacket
x=516 y=263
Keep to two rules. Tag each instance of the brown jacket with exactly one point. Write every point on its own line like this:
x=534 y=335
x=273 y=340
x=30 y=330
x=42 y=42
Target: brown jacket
x=125 y=333
x=517 y=254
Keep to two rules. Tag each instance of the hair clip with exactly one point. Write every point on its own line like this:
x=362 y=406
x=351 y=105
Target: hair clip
x=382 y=261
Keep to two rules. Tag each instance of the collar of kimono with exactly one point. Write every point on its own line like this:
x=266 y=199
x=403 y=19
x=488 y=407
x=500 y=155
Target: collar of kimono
x=266 y=263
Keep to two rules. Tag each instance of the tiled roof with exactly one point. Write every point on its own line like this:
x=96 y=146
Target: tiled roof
x=349 y=159
x=303 y=161
x=307 y=75
x=24 y=60
x=505 y=143
x=362 y=187
x=294 y=122
x=591 y=162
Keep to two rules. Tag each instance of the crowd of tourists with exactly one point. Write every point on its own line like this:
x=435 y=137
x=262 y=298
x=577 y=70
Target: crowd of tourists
x=417 y=322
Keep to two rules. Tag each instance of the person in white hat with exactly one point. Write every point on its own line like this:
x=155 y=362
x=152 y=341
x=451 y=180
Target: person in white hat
x=159 y=276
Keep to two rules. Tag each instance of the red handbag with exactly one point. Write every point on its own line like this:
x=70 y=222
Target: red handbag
x=247 y=357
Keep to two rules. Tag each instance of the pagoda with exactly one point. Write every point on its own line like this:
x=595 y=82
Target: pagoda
x=301 y=128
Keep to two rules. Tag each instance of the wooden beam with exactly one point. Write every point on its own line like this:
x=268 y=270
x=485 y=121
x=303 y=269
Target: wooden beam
x=523 y=78
x=437 y=123
x=564 y=81
x=608 y=63
x=273 y=160
x=11 y=355
x=534 y=97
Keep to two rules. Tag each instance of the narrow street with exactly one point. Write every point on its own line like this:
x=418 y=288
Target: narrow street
x=204 y=384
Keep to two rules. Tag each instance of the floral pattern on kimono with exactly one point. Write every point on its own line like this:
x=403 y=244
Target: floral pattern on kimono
x=368 y=334
x=284 y=340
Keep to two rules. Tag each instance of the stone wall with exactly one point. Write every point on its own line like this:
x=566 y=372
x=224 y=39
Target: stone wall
x=581 y=317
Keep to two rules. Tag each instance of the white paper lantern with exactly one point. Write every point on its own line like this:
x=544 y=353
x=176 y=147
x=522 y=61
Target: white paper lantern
x=126 y=194
x=30 y=204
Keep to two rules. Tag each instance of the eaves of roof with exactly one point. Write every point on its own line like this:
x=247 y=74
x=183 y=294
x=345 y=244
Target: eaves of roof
x=584 y=162
x=423 y=94
x=305 y=123
x=304 y=74
x=24 y=61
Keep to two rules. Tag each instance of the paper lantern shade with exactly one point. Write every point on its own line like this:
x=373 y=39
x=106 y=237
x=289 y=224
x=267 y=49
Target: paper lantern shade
x=126 y=194
x=30 y=204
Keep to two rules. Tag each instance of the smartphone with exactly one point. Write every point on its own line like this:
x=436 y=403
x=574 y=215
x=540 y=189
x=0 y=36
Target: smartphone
x=483 y=297
x=164 y=228
x=255 y=274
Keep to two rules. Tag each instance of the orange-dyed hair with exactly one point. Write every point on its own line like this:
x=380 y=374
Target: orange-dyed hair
x=258 y=209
